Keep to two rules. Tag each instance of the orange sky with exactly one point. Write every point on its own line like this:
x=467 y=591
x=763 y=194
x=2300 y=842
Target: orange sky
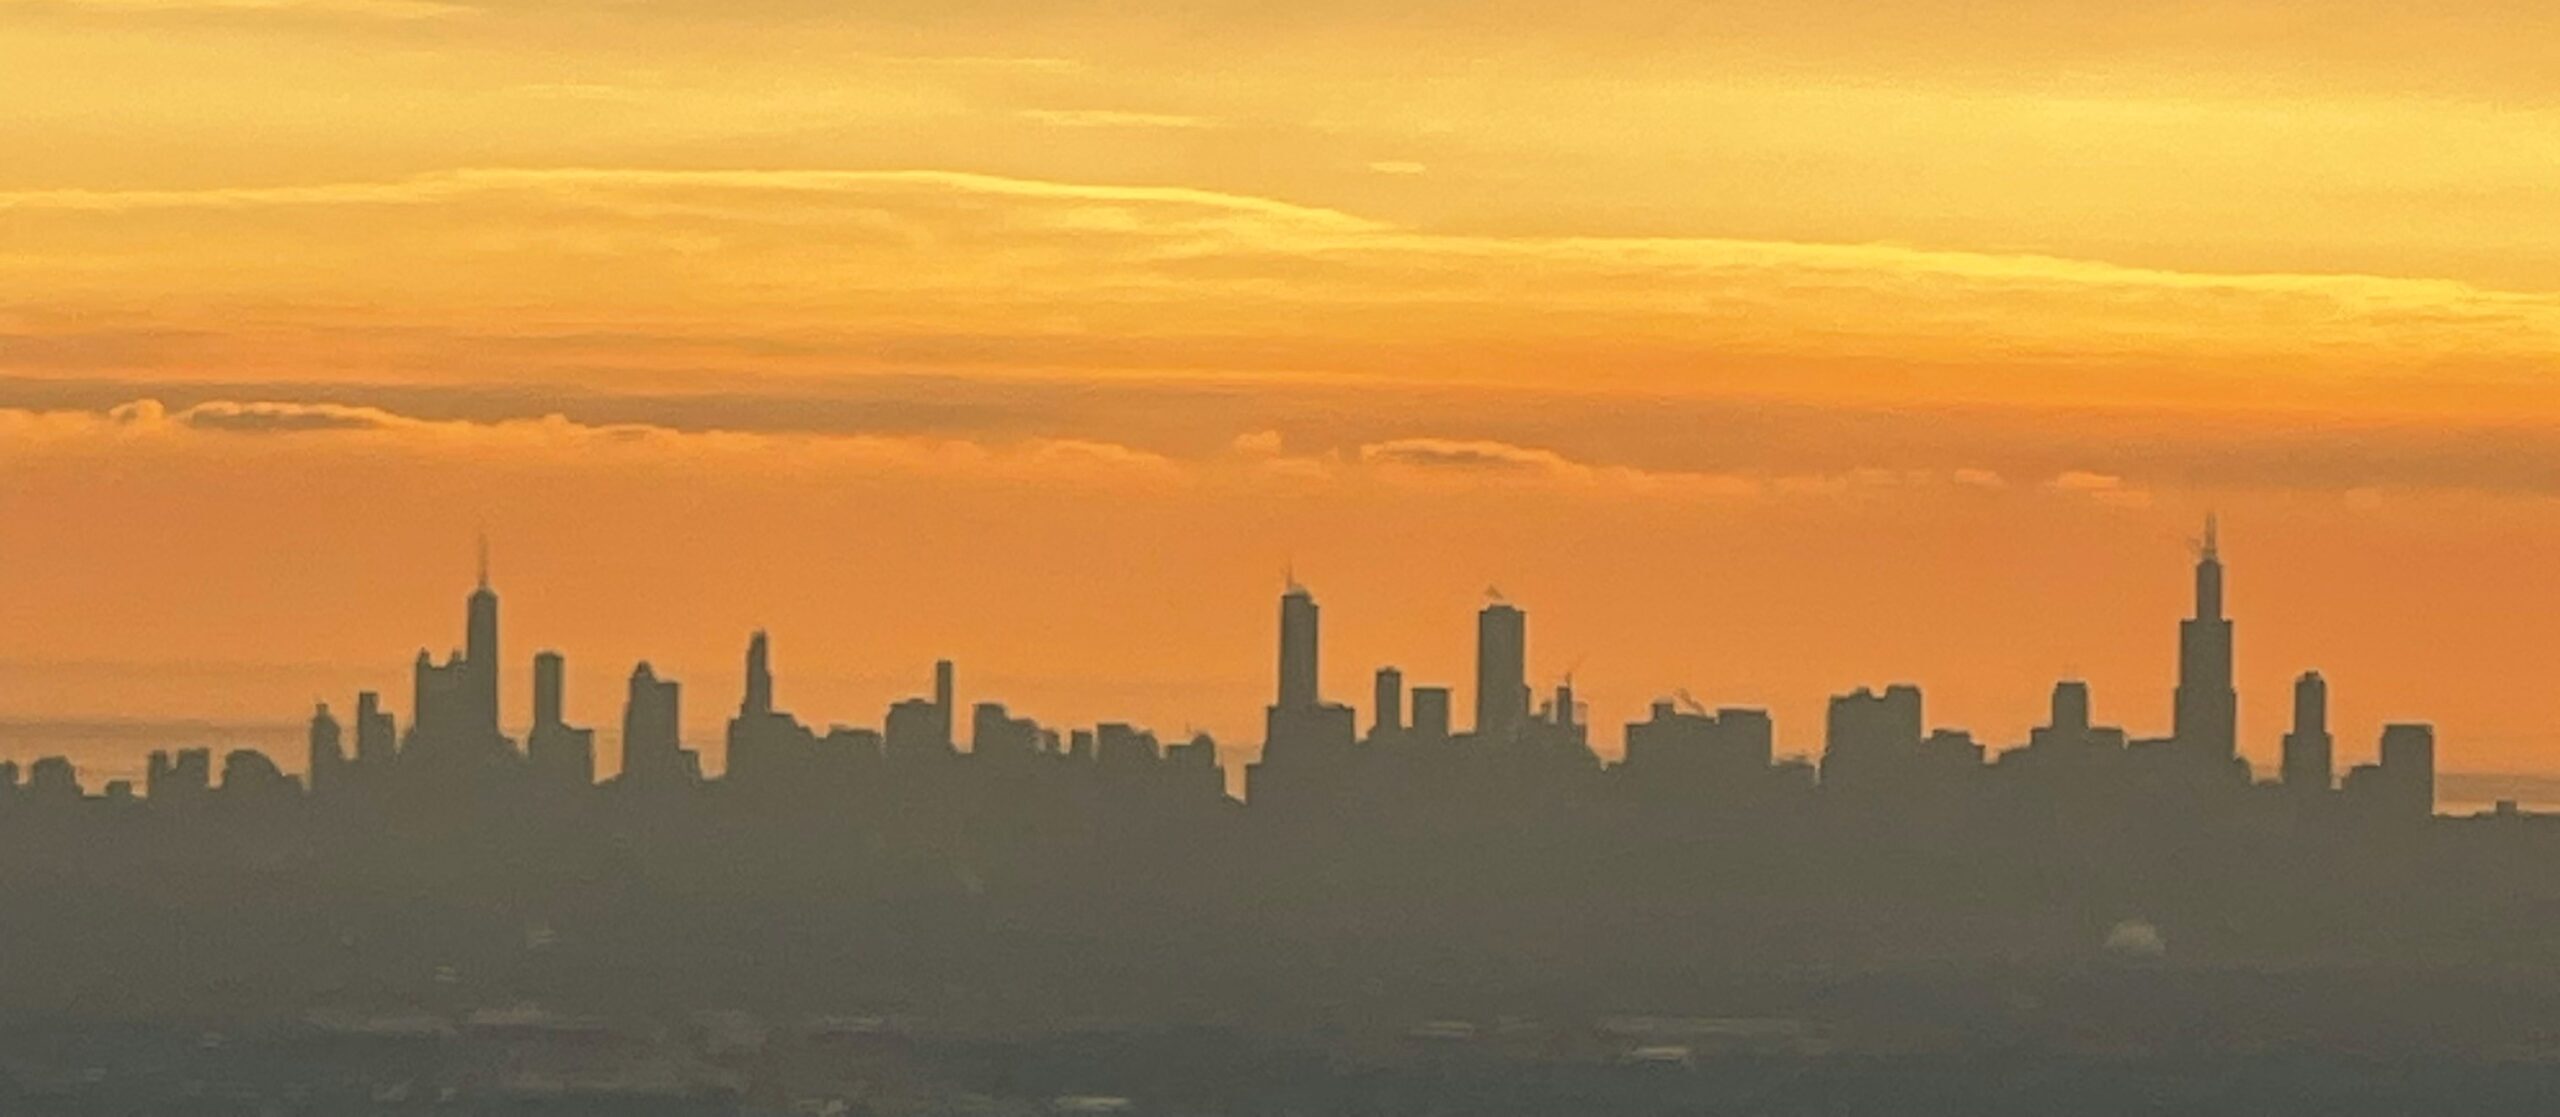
x=1763 y=350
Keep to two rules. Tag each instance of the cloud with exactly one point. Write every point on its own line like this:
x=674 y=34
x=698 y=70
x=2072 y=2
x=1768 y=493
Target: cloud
x=2082 y=481
x=223 y=427
x=571 y=184
x=1443 y=461
x=1397 y=167
x=1112 y=118
x=370 y=9
x=1259 y=444
x=226 y=427
x=1447 y=454
x=964 y=269
x=2105 y=488
x=273 y=418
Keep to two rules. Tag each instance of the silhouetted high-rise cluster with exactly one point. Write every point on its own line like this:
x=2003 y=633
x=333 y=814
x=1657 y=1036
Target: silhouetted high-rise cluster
x=976 y=849
x=1879 y=752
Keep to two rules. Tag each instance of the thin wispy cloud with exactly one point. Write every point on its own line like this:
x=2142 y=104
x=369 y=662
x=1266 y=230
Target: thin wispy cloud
x=1113 y=118
x=320 y=429
x=370 y=9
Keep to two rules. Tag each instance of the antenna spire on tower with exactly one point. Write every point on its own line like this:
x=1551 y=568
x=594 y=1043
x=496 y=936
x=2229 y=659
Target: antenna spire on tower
x=484 y=559
x=2212 y=534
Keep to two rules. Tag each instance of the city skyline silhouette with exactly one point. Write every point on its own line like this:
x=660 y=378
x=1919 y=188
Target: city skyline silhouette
x=1467 y=558
x=958 y=862
x=463 y=689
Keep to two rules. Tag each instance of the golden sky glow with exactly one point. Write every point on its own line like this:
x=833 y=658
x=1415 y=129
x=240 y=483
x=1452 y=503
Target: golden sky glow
x=1759 y=349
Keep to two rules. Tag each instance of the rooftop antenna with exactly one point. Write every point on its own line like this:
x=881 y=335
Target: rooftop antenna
x=1494 y=594
x=2212 y=537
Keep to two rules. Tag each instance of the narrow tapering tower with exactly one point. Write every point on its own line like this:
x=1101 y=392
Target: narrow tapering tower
x=1299 y=644
x=480 y=658
x=759 y=697
x=2207 y=707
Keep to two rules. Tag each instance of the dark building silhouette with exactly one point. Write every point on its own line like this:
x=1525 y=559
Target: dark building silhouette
x=1502 y=672
x=1388 y=706
x=1121 y=746
x=1431 y=705
x=181 y=777
x=998 y=737
x=914 y=730
x=52 y=782
x=2403 y=786
x=252 y=776
x=481 y=661
x=454 y=736
x=653 y=752
x=945 y=701
x=377 y=734
x=2307 y=765
x=561 y=756
x=2207 y=706
x=1950 y=751
x=327 y=753
x=2068 y=715
x=919 y=730
x=1077 y=867
x=758 y=701
x=1299 y=652
x=1872 y=740
x=1559 y=722
x=1306 y=741
x=1683 y=750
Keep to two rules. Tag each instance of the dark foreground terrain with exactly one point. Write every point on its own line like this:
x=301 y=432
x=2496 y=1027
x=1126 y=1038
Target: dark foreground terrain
x=2131 y=1038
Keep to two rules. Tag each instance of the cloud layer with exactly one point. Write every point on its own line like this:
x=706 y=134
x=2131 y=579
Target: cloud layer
x=830 y=272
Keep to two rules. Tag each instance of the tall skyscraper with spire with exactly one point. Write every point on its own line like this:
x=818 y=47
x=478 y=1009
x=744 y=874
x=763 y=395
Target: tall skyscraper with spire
x=759 y=698
x=1300 y=728
x=480 y=658
x=1502 y=671
x=1299 y=656
x=2207 y=705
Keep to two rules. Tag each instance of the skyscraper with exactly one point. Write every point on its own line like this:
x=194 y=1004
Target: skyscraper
x=328 y=752
x=652 y=735
x=1299 y=689
x=1502 y=671
x=1389 y=704
x=2070 y=708
x=480 y=660
x=1305 y=740
x=945 y=699
x=549 y=671
x=1431 y=713
x=2207 y=708
x=563 y=757
x=2409 y=769
x=2308 y=751
x=453 y=719
x=759 y=699
x=1870 y=739
x=377 y=733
